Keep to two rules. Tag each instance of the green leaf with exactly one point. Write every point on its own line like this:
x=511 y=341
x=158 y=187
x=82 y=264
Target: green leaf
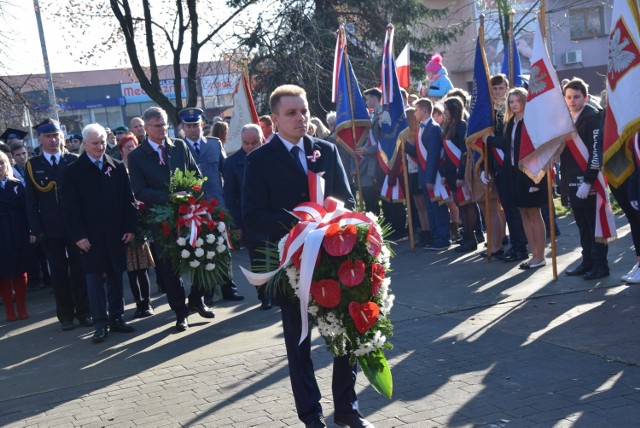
x=376 y=369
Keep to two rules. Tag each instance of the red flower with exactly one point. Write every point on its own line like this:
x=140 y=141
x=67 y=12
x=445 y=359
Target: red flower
x=351 y=273
x=191 y=200
x=183 y=209
x=326 y=292
x=296 y=258
x=141 y=206
x=374 y=241
x=196 y=188
x=364 y=315
x=377 y=275
x=180 y=222
x=338 y=241
x=166 y=231
x=213 y=202
x=221 y=215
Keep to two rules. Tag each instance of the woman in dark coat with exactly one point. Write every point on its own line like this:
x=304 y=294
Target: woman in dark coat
x=14 y=242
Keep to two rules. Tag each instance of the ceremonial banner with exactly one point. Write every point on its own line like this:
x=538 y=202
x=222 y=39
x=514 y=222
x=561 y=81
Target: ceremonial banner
x=623 y=91
x=481 y=117
x=403 y=68
x=352 y=116
x=512 y=68
x=547 y=121
x=394 y=125
x=244 y=112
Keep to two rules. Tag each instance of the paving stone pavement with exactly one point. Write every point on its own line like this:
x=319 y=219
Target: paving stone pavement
x=477 y=344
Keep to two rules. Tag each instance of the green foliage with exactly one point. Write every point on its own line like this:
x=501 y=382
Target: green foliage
x=376 y=368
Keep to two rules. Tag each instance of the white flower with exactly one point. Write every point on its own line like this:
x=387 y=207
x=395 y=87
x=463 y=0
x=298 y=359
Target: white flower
x=372 y=216
x=221 y=227
x=194 y=263
x=211 y=254
x=199 y=252
x=220 y=240
x=211 y=238
x=199 y=242
x=210 y=266
x=313 y=310
x=181 y=242
x=185 y=254
x=281 y=243
x=221 y=248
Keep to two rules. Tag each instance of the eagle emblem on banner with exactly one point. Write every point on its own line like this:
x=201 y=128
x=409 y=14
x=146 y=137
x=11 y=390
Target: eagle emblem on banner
x=623 y=53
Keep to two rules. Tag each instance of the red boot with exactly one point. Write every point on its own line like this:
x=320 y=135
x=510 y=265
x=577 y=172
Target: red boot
x=20 y=289
x=7 y=297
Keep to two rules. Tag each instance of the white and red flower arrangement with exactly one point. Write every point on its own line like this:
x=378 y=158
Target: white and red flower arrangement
x=334 y=263
x=193 y=234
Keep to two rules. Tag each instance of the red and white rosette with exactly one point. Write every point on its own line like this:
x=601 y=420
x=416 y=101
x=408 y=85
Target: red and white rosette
x=308 y=234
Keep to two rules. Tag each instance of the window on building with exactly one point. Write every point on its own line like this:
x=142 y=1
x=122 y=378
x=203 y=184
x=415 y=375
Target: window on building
x=586 y=23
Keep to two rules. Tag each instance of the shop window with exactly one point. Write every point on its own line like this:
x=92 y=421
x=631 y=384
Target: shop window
x=586 y=23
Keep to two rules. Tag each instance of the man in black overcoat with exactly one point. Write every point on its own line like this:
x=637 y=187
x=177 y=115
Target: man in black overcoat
x=44 y=187
x=276 y=181
x=100 y=213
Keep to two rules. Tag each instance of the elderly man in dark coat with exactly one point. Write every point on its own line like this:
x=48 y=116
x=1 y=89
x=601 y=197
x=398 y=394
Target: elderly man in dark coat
x=99 y=209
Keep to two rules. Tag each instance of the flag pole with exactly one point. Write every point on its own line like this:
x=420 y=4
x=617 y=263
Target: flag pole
x=542 y=20
x=359 y=198
x=407 y=195
x=511 y=53
x=485 y=153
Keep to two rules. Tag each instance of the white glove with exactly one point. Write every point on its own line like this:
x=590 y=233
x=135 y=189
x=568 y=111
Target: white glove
x=583 y=191
x=485 y=178
x=635 y=205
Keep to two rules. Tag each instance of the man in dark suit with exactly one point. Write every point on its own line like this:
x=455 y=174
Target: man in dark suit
x=233 y=173
x=275 y=181
x=210 y=157
x=430 y=136
x=150 y=167
x=100 y=212
x=44 y=185
x=577 y=182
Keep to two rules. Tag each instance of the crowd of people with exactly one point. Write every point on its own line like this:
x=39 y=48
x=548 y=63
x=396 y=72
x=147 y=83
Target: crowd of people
x=68 y=214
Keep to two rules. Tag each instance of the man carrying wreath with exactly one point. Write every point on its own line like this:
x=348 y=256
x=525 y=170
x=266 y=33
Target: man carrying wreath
x=275 y=182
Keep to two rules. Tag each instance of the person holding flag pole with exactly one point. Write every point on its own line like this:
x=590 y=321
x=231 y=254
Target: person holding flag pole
x=352 y=117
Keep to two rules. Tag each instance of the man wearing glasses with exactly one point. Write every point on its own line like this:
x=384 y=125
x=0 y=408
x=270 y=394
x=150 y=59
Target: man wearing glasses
x=150 y=166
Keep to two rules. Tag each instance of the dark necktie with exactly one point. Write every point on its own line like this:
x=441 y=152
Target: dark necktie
x=2 y=183
x=54 y=162
x=98 y=164
x=163 y=155
x=296 y=158
x=196 y=148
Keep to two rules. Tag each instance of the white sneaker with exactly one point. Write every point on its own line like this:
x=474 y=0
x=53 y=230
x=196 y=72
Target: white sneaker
x=632 y=272
x=634 y=278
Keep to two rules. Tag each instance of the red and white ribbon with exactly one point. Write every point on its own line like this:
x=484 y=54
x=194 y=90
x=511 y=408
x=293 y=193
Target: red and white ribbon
x=193 y=219
x=308 y=234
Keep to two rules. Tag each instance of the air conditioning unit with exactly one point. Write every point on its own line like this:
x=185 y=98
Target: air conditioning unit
x=573 y=57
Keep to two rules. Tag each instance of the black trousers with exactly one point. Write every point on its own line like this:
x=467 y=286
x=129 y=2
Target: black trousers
x=594 y=254
x=505 y=184
x=633 y=216
x=69 y=281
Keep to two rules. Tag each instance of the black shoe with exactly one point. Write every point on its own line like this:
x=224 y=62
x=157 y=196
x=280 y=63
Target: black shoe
x=479 y=236
x=86 y=320
x=139 y=313
x=596 y=273
x=497 y=255
x=466 y=247
x=265 y=304
x=67 y=325
x=425 y=239
x=353 y=420
x=203 y=310
x=100 y=335
x=316 y=423
x=182 y=324
x=231 y=294
x=147 y=309
x=578 y=271
x=515 y=255
x=119 y=325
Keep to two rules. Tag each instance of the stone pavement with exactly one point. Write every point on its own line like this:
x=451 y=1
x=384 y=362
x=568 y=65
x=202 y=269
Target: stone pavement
x=476 y=344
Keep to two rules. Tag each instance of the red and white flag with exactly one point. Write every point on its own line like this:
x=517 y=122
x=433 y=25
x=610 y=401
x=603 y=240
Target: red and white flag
x=244 y=112
x=547 y=121
x=623 y=90
x=403 y=68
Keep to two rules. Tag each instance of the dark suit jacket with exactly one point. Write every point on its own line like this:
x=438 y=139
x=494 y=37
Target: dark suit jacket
x=99 y=206
x=44 y=209
x=14 y=232
x=272 y=184
x=211 y=163
x=233 y=174
x=149 y=179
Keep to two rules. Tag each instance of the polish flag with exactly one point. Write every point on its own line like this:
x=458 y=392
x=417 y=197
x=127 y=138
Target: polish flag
x=403 y=68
